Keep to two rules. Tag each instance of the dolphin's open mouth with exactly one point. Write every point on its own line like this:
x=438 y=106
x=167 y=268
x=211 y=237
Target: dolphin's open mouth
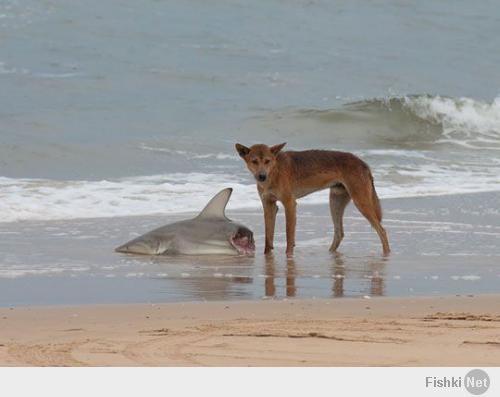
x=243 y=242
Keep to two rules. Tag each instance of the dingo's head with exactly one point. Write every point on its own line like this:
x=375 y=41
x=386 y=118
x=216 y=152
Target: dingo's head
x=260 y=159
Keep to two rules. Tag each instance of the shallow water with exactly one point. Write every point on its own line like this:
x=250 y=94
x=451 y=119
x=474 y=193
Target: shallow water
x=441 y=246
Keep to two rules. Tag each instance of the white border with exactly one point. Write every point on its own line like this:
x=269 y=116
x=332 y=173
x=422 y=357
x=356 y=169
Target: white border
x=233 y=382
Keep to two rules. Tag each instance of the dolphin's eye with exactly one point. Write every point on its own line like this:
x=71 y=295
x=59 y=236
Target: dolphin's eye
x=267 y=161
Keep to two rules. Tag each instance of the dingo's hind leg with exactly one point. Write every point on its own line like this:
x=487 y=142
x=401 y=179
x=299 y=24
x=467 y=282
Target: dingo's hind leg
x=339 y=198
x=365 y=198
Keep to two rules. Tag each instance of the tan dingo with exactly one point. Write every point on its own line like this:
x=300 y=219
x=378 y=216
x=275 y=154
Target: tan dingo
x=286 y=176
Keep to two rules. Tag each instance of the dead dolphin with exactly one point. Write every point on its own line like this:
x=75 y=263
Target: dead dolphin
x=210 y=233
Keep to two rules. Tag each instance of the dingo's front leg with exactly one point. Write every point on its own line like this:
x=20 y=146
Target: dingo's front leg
x=270 y=211
x=291 y=219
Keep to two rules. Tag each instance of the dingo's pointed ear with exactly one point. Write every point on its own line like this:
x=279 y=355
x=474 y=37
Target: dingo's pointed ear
x=242 y=150
x=276 y=148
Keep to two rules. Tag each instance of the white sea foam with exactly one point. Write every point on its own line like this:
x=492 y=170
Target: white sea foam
x=44 y=199
x=468 y=277
x=56 y=75
x=394 y=153
x=16 y=273
x=5 y=69
x=39 y=270
x=432 y=179
x=465 y=121
x=190 y=155
x=52 y=199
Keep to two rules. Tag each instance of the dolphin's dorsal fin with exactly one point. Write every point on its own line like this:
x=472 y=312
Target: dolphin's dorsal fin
x=215 y=207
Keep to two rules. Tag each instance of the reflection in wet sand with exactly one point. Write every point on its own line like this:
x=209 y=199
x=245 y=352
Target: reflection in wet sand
x=269 y=287
x=377 y=277
x=306 y=275
x=338 y=275
x=372 y=270
x=269 y=283
x=206 y=277
x=291 y=274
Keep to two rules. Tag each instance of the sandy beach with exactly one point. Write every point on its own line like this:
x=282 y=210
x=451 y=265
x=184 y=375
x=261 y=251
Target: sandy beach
x=438 y=331
x=117 y=121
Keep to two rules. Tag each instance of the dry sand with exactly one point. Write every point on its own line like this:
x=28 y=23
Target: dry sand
x=452 y=331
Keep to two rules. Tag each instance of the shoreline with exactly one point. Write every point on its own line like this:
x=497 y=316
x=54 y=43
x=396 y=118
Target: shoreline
x=440 y=246
x=383 y=331
x=307 y=205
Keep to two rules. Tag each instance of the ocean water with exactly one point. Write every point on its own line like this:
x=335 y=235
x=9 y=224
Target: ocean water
x=133 y=109
x=117 y=117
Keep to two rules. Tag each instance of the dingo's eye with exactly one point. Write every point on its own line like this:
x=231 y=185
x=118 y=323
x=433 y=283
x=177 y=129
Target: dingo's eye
x=255 y=162
x=267 y=161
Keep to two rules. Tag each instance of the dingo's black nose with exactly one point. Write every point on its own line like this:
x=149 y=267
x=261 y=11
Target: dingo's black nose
x=261 y=177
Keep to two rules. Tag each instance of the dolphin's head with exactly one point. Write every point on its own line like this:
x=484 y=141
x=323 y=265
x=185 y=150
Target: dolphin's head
x=242 y=240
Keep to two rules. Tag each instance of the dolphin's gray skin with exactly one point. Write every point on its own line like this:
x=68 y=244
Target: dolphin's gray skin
x=211 y=232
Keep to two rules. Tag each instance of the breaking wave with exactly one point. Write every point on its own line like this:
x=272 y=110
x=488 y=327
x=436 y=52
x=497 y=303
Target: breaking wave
x=417 y=119
x=417 y=146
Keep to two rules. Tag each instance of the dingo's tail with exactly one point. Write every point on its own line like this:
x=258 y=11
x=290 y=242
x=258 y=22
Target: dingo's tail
x=376 y=201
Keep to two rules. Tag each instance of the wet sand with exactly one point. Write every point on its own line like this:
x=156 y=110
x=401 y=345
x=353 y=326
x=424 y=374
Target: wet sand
x=443 y=245
x=448 y=331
